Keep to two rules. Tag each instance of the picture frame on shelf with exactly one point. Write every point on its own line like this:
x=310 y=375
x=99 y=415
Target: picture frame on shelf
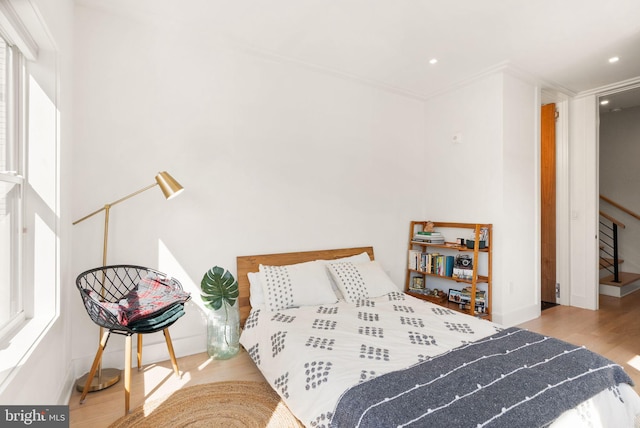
x=417 y=283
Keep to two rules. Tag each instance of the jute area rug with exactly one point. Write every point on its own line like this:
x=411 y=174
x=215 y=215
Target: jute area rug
x=220 y=404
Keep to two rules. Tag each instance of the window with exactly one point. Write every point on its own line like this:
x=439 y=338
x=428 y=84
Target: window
x=29 y=191
x=11 y=188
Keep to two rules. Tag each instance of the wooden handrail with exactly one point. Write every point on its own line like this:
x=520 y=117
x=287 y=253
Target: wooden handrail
x=612 y=220
x=620 y=207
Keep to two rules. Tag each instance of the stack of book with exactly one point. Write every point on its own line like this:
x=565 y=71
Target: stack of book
x=463 y=298
x=434 y=263
x=430 y=237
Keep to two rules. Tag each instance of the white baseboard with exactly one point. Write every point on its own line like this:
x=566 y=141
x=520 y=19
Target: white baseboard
x=67 y=387
x=518 y=316
x=615 y=291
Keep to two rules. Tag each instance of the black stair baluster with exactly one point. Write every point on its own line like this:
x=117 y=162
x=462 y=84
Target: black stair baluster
x=615 y=253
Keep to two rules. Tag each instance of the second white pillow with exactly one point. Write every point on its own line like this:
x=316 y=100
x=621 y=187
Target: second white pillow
x=359 y=281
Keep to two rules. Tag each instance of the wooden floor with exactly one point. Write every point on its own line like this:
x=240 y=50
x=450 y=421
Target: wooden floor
x=156 y=381
x=613 y=331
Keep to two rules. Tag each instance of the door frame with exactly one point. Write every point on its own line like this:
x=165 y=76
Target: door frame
x=563 y=211
x=585 y=198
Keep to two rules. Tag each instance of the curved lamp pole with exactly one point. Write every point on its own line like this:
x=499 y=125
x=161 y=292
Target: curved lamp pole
x=104 y=378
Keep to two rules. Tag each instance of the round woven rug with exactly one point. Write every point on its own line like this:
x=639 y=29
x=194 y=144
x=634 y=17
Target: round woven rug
x=220 y=404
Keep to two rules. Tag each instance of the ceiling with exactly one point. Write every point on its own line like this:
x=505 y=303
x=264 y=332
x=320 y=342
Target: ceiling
x=616 y=102
x=390 y=42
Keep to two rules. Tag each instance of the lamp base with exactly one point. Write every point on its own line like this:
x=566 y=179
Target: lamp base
x=109 y=377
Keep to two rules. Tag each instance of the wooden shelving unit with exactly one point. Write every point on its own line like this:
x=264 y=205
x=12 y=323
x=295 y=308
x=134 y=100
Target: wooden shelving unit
x=481 y=261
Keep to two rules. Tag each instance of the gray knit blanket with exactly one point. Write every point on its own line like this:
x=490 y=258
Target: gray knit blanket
x=515 y=378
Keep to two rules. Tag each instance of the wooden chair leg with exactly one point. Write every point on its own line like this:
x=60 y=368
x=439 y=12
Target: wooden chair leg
x=139 y=351
x=94 y=366
x=174 y=362
x=127 y=374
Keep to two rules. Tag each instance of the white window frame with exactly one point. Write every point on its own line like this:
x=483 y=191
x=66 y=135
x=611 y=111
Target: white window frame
x=20 y=338
x=16 y=105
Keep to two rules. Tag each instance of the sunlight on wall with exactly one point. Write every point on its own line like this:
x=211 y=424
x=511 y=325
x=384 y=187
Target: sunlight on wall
x=42 y=144
x=44 y=269
x=168 y=264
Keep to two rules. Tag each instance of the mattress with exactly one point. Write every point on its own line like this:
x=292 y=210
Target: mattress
x=313 y=355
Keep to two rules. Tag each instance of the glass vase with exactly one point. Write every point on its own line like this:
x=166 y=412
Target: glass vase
x=223 y=332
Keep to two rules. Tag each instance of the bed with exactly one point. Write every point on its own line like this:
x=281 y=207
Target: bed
x=343 y=347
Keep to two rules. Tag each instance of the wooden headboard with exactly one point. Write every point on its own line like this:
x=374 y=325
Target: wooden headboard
x=246 y=264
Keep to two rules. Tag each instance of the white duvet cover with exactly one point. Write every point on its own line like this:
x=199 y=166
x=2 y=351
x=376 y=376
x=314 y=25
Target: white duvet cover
x=311 y=355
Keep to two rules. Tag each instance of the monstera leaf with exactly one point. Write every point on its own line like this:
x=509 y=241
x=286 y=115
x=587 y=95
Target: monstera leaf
x=218 y=287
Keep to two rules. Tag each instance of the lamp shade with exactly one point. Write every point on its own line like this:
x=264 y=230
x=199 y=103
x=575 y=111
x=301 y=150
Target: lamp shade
x=170 y=187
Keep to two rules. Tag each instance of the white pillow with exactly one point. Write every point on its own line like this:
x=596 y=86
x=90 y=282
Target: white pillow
x=359 y=281
x=302 y=284
x=358 y=258
x=256 y=292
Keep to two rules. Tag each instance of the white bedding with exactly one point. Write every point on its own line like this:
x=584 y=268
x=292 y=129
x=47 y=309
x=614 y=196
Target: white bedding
x=311 y=355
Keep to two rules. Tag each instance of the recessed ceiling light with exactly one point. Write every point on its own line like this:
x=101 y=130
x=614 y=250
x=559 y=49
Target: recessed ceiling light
x=433 y=61
x=604 y=102
x=614 y=59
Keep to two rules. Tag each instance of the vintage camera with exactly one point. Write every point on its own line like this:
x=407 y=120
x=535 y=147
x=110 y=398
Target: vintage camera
x=464 y=262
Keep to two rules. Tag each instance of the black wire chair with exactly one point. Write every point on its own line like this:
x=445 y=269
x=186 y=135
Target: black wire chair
x=103 y=289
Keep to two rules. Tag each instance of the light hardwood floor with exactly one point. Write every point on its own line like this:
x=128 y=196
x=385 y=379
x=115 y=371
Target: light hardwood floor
x=156 y=381
x=613 y=331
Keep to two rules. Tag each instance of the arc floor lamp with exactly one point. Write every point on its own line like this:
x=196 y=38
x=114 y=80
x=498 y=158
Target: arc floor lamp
x=104 y=378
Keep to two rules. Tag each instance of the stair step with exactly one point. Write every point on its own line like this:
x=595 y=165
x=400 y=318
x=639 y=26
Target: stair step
x=629 y=283
x=625 y=278
x=606 y=263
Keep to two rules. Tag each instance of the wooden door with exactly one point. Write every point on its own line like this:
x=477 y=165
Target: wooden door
x=548 y=202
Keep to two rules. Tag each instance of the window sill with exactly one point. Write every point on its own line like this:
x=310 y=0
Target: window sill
x=16 y=348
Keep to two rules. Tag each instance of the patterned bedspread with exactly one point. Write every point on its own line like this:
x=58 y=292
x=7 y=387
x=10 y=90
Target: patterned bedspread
x=513 y=378
x=312 y=355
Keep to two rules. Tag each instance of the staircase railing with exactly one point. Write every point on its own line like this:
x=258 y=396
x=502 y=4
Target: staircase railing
x=609 y=256
x=620 y=207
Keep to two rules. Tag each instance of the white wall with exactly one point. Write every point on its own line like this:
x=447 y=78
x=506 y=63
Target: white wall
x=491 y=177
x=518 y=250
x=620 y=179
x=274 y=157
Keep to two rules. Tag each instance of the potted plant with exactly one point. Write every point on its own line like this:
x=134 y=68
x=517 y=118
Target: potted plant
x=219 y=292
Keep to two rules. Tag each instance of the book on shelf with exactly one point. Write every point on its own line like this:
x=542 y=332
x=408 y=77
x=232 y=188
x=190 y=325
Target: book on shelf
x=480 y=294
x=463 y=298
x=431 y=262
x=480 y=309
x=449 y=261
x=426 y=233
x=415 y=259
x=429 y=237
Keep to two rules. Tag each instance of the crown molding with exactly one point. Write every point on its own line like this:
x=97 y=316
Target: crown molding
x=508 y=67
x=612 y=88
x=15 y=31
